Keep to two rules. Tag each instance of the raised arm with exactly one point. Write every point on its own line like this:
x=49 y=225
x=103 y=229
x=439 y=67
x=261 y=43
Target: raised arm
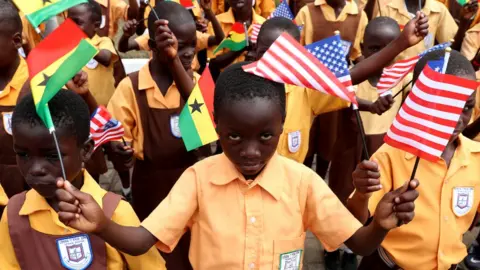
x=217 y=28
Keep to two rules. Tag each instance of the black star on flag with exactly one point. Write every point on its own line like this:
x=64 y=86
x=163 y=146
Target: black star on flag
x=46 y=1
x=196 y=106
x=46 y=78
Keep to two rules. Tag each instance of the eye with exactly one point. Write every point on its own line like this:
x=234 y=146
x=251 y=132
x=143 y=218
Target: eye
x=467 y=108
x=234 y=137
x=266 y=136
x=22 y=155
x=52 y=157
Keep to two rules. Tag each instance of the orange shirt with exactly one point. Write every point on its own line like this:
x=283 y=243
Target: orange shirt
x=449 y=199
x=197 y=11
x=3 y=197
x=9 y=95
x=124 y=107
x=44 y=219
x=29 y=35
x=240 y=224
x=304 y=18
x=118 y=11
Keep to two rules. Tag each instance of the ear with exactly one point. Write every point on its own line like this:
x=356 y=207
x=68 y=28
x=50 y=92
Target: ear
x=152 y=45
x=87 y=149
x=97 y=25
x=17 y=40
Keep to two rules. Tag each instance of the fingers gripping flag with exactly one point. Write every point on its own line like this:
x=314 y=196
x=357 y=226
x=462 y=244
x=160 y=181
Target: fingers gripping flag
x=428 y=118
x=286 y=61
x=103 y=128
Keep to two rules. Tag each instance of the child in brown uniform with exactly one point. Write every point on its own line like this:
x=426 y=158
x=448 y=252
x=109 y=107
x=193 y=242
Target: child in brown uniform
x=148 y=104
x=112 y=12
x=13 y=74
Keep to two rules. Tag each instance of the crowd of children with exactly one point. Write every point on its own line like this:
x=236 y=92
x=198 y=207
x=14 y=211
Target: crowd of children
x=249 y=205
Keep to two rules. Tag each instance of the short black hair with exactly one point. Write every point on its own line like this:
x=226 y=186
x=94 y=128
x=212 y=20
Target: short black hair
x=458 y=64
x=234 y=84
x=9 y=18
x=173 y=12
x=95 y=10
x=378 y=22
x=280 y=23
x=69 y=113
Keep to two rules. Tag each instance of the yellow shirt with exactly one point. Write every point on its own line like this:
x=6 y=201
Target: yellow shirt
x=304 y=18
x=3 y=197
x=378 y=124
x=124 y=107
x=100 y=78
x=262 y=7
x=29 y=35
x=442 y=26
x=45 y=220
x=245 y=224
x=118 y=11
x=302 y=106
x=227 y=20
x=9 y=95
x=197 y=11
x=433 y=240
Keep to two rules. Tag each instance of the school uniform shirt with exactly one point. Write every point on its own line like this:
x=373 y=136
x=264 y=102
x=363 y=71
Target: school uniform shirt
x=45 y=220
x=100 y=78
x=9 y=94
x=375 y=124
x=227 y=20
x=3 y=197
x=118 y=11
x=442 y=26
x=262 y=7
x=237 y=223
x=303 y=105
x=304 y=18
x=124 y=107
x=445 y=209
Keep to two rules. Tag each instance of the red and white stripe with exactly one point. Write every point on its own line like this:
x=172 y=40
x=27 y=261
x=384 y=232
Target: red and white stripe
x=255 y=31
x=428 y=118
x=98 y=131
x=393 y=74
x=286 y=61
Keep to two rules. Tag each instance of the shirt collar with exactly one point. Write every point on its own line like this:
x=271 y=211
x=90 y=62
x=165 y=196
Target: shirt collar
x=20 y=76
x=229 y=18
x=270 y=179
x=350 y=7
x=430 y=6
x=145 y=79
x=463 y=152
x=105 y=2
x=34 y=202
x=95 y=40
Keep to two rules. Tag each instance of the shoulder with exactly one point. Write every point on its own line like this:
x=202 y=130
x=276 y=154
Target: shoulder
x=296 y=172
x=386 y=153
x=474 y=29
x=125 y=215
x=258 y=19
x=223 y=17
x=438 y=7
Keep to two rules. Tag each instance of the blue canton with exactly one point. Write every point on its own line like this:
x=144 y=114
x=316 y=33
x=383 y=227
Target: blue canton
x=331 y=52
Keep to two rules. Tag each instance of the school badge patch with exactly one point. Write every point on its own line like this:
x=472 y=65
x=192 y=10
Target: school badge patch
x=291 y=260
x=7 y=122
x=75 y=252
x=294 y=141
x=174 y=126
x=92 y=64
x=462 y=200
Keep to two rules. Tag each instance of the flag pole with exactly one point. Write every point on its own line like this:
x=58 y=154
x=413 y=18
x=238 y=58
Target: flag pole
x=403 y=88
x=51 y=129
x=124 y=175
x=151 y=9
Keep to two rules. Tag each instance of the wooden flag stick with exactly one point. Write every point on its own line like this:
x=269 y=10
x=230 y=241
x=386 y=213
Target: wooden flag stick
x=59 y=154
x=403 y=88
x=362 y=133
x=151 y=8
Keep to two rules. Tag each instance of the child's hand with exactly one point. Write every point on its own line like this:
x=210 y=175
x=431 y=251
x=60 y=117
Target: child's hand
x=382 y=104
x=120 y=155
x=415 y=30
x=469 y=11
x=129 y=28
x=202 y=25
x=165 y=40
x=206 y=4
x=366 y=178
x=79 y=210
x=79 y=83
x=397 y=207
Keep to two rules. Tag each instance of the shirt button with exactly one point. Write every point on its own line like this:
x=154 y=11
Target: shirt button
x=446 y=218
x=251 y=265
x=253 y=219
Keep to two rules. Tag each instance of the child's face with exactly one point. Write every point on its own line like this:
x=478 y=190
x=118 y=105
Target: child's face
x=374 y=42
x=187 y=41
x=249 y=131
x=38 y=160
x=465 y=116
x=9 y=44
x=240 y=5
x=83 y=18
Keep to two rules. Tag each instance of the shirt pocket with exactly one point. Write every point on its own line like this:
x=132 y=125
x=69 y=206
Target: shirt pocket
x=288 y=253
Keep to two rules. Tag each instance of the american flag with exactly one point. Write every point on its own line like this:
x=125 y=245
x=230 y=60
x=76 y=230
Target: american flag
x=103 y=128
x=429 y=115
x=286 y=61
x=283 y=10
x=393 y=74
x=331 y=52
x=255 y=31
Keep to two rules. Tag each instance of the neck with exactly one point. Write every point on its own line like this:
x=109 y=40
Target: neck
x=447 y=155
x=7 y=75
x=161 y=74
x=77 y=182
x=244 y=15
x=336 y=3
x=413 y=4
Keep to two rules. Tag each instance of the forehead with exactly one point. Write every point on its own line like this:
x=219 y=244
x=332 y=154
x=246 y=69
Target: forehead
x=78 y=10
x=381 y=33
x=185 y=31
x=250 y=111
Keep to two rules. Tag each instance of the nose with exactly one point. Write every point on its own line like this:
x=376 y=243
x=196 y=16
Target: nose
x=250 y=151
x=37 y=169
x=189 y=53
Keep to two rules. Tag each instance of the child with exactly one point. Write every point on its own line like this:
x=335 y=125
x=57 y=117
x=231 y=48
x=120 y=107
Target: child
x=148 y=103
x=239 y=11
x=112 y=11
x=434 y=239
x=248 y=207
x=100 y=68
x=32 y=237
x=13 y=75
x=262 y=7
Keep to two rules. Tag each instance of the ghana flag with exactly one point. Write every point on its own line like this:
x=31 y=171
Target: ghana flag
x=196 y=118
x=38 y=11
x=236 y=39
x=65 y=50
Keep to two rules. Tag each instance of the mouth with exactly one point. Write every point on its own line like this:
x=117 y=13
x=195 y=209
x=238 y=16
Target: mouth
x=239 y=3
x=250 y=168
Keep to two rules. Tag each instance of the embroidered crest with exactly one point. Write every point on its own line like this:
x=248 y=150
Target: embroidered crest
x=92 y=64
x=104 y=21
x=174 y=126
x=7 y=122
x=462 y=200
x=291 y=260
x=294 y=141
x=75 y=252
